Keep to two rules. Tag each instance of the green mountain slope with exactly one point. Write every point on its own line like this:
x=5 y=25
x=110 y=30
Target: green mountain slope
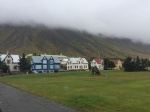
x=69 y=42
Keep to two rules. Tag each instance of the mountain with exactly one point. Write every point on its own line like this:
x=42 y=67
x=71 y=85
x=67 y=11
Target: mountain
x=26 y=39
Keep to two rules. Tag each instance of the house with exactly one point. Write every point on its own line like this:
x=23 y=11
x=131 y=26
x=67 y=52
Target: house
x=98 y=62
x=11 y=61
x=118 y=64
x=42 y=64
x=60 y=57
x=77 y=64
x=64 y=61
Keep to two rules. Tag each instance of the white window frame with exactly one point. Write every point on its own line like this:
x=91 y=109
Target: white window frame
x=38 y=66
x=51 y=66
x=44 y=66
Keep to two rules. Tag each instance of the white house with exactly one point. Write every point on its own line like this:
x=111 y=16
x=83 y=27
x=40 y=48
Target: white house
x=77 y=64
x=98 y=62
x=64 y=61
x=11 y=61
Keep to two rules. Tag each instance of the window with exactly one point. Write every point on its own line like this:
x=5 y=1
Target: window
x=15 y=67
x=44 y=66
x=51 y=61
x=44 y=61
x=57 y=66
x=38 y=66
x=8 y=61
x=32 y=66
x=51 y=66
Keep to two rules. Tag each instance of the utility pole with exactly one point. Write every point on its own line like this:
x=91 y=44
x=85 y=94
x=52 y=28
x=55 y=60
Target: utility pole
x=99 y=59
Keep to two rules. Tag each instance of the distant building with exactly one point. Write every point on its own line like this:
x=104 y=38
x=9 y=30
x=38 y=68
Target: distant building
x=98 y=62
x=11 y=61
x=77 y=64
x=118 y=64
x=42 y=64
x=60 y=57
x=64 y=61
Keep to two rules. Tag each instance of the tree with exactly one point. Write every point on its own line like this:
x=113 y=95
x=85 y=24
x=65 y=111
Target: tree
x=1 y=63
x=131 y=64
x=106 y=61
x=128 y=64
x=108 y=64
x=24 y=65
x=111 y=64
x=3 y=67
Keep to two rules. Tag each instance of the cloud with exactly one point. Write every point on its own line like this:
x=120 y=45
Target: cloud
x=123 y=18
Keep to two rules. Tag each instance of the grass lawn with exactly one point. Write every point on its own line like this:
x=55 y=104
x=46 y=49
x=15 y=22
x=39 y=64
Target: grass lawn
x=118 y=92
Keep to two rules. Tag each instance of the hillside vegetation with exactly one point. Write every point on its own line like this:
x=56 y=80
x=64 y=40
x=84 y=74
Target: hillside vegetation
x=69 y=42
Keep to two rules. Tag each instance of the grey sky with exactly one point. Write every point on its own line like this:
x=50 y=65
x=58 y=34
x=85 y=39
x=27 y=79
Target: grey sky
x=124 y=18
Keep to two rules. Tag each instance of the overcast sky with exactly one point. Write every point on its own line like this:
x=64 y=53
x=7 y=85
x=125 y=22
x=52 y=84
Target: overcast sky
x=124 y=18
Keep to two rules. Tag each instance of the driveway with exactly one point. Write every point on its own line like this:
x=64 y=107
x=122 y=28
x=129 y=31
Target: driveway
x=15 y=100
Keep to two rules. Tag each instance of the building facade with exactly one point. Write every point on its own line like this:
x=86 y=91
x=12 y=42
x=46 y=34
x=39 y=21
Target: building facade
x=77 y=64
x=98 y=62
x=11 y=61
x=42 y=64
x=118 y=64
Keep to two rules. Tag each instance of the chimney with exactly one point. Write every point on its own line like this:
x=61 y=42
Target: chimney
x=7 y=52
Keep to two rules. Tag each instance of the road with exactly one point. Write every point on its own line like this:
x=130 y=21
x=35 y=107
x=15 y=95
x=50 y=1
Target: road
x=15 y=100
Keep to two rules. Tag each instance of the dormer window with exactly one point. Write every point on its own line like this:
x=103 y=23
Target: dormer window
x=44 y=61
x=51 y=61
x=8 y=61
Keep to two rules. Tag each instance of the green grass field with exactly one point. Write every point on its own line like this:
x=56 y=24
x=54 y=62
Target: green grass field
x=118 y=92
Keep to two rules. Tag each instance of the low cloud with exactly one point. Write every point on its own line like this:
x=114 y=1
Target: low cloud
x=122 y=18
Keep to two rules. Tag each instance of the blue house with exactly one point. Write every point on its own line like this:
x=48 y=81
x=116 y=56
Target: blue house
x=42 y=64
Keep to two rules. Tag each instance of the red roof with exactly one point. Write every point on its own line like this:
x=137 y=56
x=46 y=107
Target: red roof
x=115 y=61
x=98 y=60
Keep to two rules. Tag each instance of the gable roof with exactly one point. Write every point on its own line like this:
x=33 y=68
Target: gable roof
x=14 y=57
x=38 y=59
x=65 y=60
x=98 y=60
x=115 y=61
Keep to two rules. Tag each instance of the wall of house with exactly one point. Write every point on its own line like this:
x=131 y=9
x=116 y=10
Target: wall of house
x=13 y=67
x=99 y=66
x=77 y=67
x=45 y=66
x=118 y=65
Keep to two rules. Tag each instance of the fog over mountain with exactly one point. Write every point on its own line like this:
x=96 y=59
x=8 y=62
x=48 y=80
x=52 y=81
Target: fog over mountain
x=122 y=18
